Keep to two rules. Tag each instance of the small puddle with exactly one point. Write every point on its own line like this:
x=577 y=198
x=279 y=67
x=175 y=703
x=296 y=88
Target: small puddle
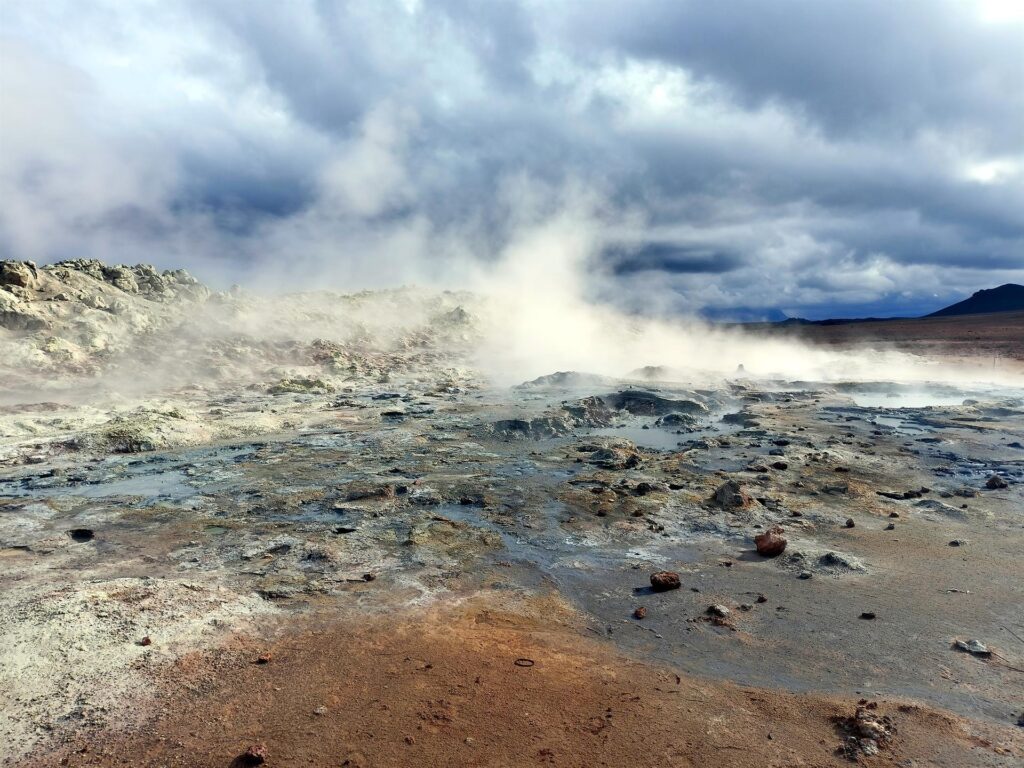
x=170 y=484
x=909 y=399
x=899 y=424
x=665 y=438
x=655 y=438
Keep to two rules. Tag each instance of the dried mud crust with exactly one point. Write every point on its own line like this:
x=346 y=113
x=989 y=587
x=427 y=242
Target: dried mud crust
x=484 y=686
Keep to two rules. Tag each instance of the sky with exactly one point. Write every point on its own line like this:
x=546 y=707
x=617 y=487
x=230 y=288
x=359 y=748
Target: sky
x=826 y=159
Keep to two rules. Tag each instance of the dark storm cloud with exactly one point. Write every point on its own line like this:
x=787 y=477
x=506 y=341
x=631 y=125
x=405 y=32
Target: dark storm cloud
x=735 y=153
x=674 y=259
x=855 y=66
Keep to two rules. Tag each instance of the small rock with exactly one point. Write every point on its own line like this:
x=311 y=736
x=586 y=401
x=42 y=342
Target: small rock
x=891 y=527
x=849 y=523
x=264 y=658
x=957 y=542
x=761 y=599
x=256 y=754
x=771 y=543
x=321 y=710
x=869 y=615
x=663 y=581
x=974 y=647
x=804 y=575
x=147 y=640
x=730 y=495
x=718 y=610
x=640 y=613
x=995 y=482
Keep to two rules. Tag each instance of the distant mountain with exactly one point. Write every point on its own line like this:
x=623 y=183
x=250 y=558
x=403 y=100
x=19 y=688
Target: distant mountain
x=1005 y=298
x=743 y=314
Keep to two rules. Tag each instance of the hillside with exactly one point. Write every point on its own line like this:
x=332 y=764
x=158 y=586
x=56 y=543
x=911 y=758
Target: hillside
x=1005 y=298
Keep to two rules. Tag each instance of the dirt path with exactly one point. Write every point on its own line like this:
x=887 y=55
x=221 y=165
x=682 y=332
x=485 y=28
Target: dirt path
x=482 y=686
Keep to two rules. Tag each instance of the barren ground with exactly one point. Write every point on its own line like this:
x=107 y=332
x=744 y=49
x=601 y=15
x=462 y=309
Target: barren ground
x=358 y=504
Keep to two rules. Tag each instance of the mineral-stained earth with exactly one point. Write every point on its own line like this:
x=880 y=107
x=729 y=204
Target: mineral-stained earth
x=313 y=530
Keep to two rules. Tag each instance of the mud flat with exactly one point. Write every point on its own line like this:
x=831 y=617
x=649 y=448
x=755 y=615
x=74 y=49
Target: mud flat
x=494 y=683
x=346 y=546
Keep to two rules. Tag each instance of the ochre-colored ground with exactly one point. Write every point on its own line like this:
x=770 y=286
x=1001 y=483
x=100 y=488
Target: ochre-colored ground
x=480 y=686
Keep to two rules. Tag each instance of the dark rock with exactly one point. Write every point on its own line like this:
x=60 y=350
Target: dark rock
x=615 y=458
x=532 y=429
x=730 y=495
x=995 y=482
x=640 y=613
x=256 y=754
x=641 y=403
x=645 y=487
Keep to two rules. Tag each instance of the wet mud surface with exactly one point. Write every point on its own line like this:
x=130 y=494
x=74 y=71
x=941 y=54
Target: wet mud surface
x=378 y=508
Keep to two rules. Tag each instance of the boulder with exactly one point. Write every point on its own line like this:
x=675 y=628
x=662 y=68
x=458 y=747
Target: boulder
x=19 y=273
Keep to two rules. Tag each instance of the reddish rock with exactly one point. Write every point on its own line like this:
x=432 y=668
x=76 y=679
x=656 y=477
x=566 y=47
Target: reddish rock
x=640 y=613
x=264 y=658
x=147 y=640
x=771 y=543
x=663 y=581
x=254 y=755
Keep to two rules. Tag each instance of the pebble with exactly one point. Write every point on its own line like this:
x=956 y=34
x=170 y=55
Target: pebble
x=973 y=647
